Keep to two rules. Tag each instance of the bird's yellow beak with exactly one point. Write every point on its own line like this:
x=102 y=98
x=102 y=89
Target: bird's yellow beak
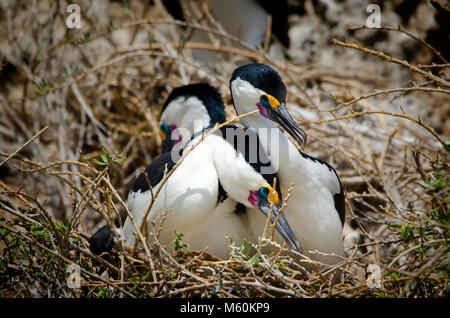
x=162 y=135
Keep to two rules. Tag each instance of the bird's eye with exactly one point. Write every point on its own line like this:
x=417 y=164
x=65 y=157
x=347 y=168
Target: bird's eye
x=164 y=128
x=264 y=100
x=267 y=193
x=263 y=192
x=164 y=131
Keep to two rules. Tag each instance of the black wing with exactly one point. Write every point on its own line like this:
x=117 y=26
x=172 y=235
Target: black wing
x=101 y=241
x=339 y=203
x=154 y=172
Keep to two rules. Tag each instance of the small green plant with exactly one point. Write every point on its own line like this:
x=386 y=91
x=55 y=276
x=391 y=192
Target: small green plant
x=179 y=244
x=43 y=88
x=242 y=251
x=441 y=201
x=85 y=38
x=441 y=176
x=254 y=260
x=106 y=159
x=105 y=292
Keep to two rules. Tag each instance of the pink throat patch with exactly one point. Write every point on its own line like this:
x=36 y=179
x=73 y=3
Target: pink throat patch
x=253 y=198
x=262 y=110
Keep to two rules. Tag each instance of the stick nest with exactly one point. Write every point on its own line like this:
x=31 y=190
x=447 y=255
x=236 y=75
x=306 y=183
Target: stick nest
x=79 y=122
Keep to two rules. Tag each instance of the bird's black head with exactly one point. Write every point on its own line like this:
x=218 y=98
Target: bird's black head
x=263 y=77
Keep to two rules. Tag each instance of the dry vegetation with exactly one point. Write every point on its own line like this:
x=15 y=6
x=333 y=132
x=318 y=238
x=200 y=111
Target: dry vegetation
x=375 y=104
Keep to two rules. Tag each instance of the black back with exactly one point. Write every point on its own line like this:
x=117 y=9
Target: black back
x=101 y=241
x=174 y=8
x=279 y=10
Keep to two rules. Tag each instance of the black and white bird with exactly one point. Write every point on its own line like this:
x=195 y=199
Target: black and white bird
x=216 y=188
x=316 y=208
x=187 y=109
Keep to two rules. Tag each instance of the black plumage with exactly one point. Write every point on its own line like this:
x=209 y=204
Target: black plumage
x=102 y=241
x=154 y=172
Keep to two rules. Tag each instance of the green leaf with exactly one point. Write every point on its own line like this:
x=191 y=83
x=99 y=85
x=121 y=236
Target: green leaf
x=120 y=160
x=59 y=226
x=37 y=90
x=106 y=153
x=100 y=163
x=254 y=260
x=178 y=243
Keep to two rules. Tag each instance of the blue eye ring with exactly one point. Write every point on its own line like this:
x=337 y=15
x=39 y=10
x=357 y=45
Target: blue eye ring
x=267 y=193
x=164 y=128
x=264 y=100
x=264 y=192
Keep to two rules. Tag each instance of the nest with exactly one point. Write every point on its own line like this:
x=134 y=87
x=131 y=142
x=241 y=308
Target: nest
x=79 y=122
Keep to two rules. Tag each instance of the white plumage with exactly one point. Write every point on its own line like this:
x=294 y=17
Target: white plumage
x=189 y=114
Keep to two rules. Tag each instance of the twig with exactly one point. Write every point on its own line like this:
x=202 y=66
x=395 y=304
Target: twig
x=356 y=46
x=24 y=145
x=399 y=29
x=356 y=114
x=384 y=92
